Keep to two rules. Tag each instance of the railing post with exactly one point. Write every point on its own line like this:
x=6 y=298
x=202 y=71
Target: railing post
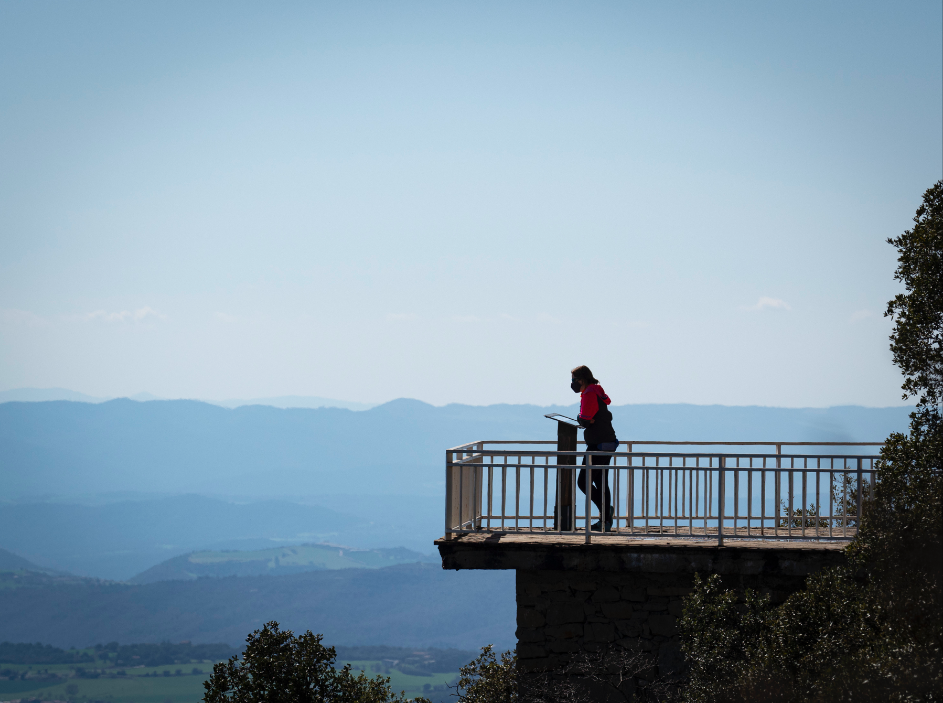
x=589 y=492
x=858 y=523
x=460 y=470
x=448 y=495
x=479 y=470
x=630 y=493
x=573 y=481
x=776 y=490
x=720 y=502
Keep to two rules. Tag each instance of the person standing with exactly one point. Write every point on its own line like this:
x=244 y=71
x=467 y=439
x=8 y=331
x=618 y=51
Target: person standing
x=596 y=421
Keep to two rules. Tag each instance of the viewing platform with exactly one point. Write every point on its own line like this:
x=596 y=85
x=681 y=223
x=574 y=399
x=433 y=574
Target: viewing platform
x=761 y=515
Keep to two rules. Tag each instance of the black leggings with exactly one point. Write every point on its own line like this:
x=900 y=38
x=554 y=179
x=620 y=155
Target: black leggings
x=600 y=477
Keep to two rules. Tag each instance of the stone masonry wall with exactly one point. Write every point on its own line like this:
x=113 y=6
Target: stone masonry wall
x=562 y=612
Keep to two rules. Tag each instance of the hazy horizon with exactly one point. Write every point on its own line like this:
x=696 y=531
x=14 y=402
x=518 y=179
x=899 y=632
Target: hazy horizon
x=17 y=395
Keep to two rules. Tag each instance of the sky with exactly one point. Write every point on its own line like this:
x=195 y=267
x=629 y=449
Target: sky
x=459 y=202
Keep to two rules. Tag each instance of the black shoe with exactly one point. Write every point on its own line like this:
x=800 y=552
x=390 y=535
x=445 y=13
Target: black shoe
x=597 y=526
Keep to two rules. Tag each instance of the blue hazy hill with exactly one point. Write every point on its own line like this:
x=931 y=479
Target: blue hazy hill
x=13 y=562
x=118 y=540
x=182 y=446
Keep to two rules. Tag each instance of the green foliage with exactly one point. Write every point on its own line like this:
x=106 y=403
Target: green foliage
x=836 y=640
x=721 y=653
x=871 y=630
x=845 y=498
x=608 y=673
x=279 y=667
x=917 y=341
x=802 y=517
x=489 y=678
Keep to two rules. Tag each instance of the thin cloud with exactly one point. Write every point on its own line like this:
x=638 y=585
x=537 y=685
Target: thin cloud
x=859 y=315
x=124 y=316
x=401 y=316
x=765 y=303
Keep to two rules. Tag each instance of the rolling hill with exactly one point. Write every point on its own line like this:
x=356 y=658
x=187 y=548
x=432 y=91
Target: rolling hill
x=277 y=561
x=411 y=605
x=12 y=562
x=119 y=540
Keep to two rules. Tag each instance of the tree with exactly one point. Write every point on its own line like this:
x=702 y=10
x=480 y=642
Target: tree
x=489 y=678
x=871 y=630
x=279 y=667
x=917 y=341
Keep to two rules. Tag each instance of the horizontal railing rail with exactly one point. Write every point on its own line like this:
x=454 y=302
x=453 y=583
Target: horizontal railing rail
x=518 y=488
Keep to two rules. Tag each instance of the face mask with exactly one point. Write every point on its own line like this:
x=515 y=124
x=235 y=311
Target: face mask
x=575 y=385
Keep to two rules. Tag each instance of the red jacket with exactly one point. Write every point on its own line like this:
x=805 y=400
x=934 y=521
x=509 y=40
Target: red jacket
x=589 y=400
x=600 y=430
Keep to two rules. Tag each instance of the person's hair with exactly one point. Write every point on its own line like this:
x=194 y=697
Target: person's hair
x=582 y=373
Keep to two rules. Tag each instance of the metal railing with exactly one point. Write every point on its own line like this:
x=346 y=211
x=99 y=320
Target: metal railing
x=716 y=493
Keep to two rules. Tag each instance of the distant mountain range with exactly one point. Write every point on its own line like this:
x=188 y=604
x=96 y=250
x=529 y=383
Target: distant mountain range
x=407 y=605
x=277 y=561
x=293 y=401
x=113 y=489
x=33 y=395
x=183 y=446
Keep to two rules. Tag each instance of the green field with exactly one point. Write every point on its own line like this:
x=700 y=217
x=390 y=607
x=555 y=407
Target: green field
x=412 y=685
x=176 y=683
x=104 y=682
x=120 y=689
